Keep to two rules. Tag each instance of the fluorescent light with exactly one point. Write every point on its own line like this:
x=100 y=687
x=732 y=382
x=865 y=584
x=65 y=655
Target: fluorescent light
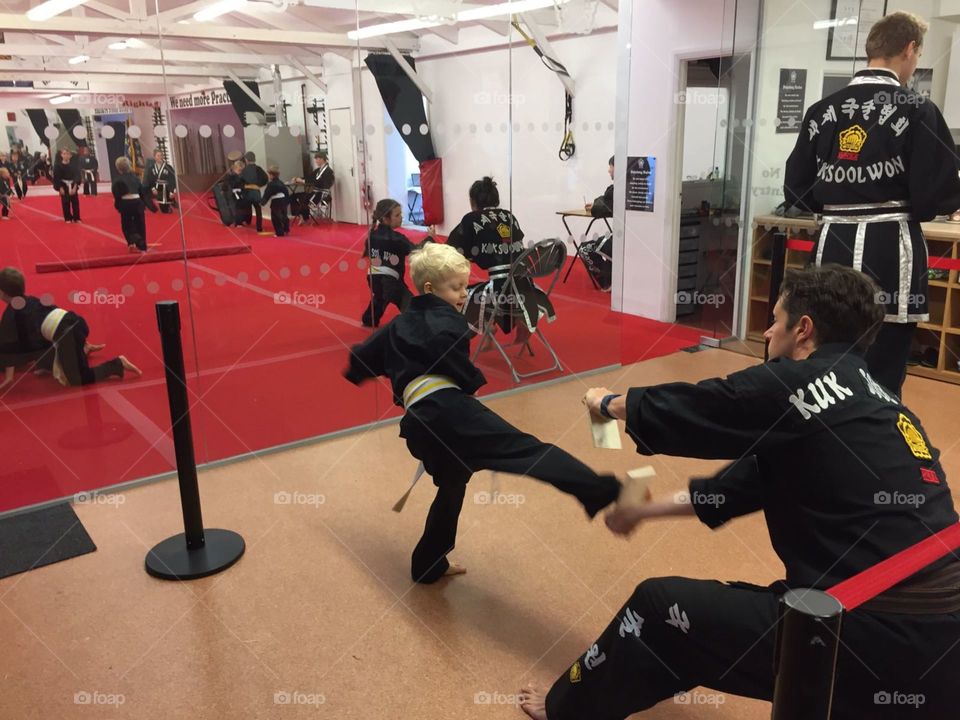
x=78 y=59
x=122 y=45
x=507 y=8
x=217 y=9
x=60 y=99
x=837 y=22
x=47 y=10
x=479 y=13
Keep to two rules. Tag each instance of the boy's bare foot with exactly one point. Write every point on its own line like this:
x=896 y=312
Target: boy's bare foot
x=533 y=702
x=455 y=569
x=129 y=366
x=91 y=348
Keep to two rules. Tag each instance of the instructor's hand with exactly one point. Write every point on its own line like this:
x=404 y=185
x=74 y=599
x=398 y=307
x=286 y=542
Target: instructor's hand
x=592 y=400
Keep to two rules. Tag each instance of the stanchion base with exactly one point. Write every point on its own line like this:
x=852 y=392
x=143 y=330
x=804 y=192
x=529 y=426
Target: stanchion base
x=170 y=559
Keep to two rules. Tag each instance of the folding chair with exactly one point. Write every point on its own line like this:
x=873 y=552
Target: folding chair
x=544 y=259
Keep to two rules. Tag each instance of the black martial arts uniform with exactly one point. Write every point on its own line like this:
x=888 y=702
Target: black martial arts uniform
x=130 y=197
x=67 y=333
x=66 y=181
x=846 y=477
x=387 y=250
x=88 y=169
x=243 y=214
x=318 y=186
x=20 y=338
x=877 y=159
x=603 y=206
x=19 y=170
x=452 y=432
x=5 y=192
x=254 y=177
x=492 y=239
x=162 y=179
x=278 y=195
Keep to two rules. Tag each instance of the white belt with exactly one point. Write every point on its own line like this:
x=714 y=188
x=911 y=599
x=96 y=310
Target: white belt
x=130 y=196
x=870 y=206
x=876 y=218
x=381 y=270
x=51 y=322
x=418 y=388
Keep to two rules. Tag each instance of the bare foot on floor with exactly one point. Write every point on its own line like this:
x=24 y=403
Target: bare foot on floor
x=455 y=569
x=91 y=348
x=533 y=702
x=129 y=366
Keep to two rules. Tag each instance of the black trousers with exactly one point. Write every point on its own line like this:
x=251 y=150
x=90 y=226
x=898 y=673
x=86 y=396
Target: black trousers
x=280 y=217
x=384 y=290
x=887 y=357
x=70 y=204
x=133 y=223
x=455 y=435
x=89 y=186
x=675 y=634
x=5 y=204
x=20 y=186
x=252 y=197
x=69 y=339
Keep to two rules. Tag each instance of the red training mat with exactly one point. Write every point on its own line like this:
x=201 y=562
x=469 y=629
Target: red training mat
x=431 y=187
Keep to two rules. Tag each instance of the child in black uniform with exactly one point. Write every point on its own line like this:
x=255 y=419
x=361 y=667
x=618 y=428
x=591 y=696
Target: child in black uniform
x=425 y=352
x=129 y=198
x=5 y=192
x=66 y=181
x=253 y=178
x=88 y=169
x=387 y=250
x=278 y=195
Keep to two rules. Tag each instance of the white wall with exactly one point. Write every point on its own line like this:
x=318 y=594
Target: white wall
x=21 y=125
x=704 y=138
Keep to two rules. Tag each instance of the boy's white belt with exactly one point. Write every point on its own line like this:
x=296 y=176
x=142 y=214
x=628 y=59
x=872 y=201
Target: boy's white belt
x=416 y=390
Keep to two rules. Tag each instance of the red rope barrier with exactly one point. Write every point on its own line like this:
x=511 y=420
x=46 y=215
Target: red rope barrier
x=866 y=585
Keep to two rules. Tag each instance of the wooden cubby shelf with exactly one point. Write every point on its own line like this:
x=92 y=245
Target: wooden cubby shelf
x=942 y=332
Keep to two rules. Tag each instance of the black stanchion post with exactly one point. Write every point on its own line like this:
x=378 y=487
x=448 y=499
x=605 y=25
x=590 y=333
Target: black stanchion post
x=196 y=552
x=808 y=637
x=778 y=261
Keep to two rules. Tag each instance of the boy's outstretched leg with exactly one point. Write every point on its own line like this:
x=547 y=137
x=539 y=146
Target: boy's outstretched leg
x=440 y=532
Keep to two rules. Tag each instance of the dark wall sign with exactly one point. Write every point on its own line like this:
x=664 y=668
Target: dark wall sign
x=641 y=180
x=790 y=100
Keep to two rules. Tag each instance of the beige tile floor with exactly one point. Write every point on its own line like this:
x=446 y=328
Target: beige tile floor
x=321 y=607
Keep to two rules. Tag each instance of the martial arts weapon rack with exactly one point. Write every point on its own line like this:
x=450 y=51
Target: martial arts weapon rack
x=196 y=552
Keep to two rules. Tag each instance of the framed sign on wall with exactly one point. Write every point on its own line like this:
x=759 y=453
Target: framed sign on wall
x=850 y=24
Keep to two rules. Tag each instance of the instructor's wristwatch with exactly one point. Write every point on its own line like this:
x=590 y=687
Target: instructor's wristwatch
x=605 y=404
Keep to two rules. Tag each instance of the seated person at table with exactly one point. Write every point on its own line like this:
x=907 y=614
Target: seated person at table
x=491 y=237
x=64 y=331
x=318 y=188
x=597 y=254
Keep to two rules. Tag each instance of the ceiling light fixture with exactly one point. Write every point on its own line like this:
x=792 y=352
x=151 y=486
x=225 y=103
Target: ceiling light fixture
x=78 y=59
x=217 y=9
x=47 y=10
x=60 y=99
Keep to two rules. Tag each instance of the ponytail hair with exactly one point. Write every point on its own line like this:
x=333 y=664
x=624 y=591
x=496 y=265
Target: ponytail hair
x=380 y=212
x=483 y=193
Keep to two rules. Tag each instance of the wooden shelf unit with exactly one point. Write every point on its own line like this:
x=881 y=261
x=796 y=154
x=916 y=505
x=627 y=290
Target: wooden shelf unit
x=941 y=332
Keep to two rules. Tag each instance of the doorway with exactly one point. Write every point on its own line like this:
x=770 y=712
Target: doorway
x=344 y=167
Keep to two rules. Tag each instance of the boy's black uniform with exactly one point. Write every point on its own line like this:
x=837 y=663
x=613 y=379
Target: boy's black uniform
x=387 y=250
x=492 y=239
x=5 y=192
x=877 y=159
x=845 y=477
x=243 y=213
x=162 y=178
x=88 y=169
x=453 y=433
x=19 y=171
x=278 y=195
x=254 y=177
x=66 y=181
x=129 y=198
x=66 y=333
x=597 y=255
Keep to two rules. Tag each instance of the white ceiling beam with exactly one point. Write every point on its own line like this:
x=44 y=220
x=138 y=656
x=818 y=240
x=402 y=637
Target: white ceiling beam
x=307 y=73
x=182 y=12
x=15 y=22
x=177 y=56
x=450 y=33
x=248 y=92
x=107 y=10
x=138 y=9
x=128 y=69
x=501 y=27
x=612 y=4
x=540 y=37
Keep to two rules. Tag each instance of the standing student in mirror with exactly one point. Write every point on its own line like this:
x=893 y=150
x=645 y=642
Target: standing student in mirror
x=161 y=179
x=88 y=171
x=877 y=159
x=66 y=181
